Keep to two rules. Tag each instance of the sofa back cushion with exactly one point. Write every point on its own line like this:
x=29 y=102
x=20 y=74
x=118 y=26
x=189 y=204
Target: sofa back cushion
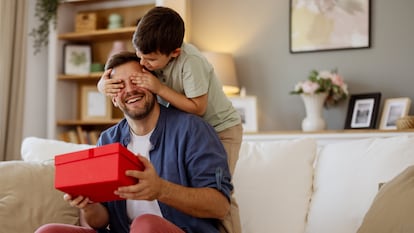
x=347 y=177
x=28 y=198
x=273 y=185
x=41 y=149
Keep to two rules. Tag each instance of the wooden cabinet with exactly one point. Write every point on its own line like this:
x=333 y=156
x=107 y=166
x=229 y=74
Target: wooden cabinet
x=65 y=101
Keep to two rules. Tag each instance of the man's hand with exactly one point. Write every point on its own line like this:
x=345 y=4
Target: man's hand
x=149 y=183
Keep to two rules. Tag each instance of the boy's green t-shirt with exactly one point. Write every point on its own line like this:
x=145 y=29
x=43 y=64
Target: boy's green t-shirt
x=192 y=75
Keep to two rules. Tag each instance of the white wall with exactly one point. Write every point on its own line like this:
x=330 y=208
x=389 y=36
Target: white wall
x=35 y=112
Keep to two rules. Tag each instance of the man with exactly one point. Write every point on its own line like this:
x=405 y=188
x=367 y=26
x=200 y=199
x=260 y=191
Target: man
x=186 y=183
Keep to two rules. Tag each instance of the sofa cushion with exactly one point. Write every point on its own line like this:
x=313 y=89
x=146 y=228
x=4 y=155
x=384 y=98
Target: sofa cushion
x=393 y=208
x=40 y=149
x=273 y=185
x=346 y=181
x=28 y=198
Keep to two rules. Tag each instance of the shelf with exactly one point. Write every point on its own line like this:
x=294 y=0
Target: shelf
x=82 y=122
x=86 y=77
x=102 y=34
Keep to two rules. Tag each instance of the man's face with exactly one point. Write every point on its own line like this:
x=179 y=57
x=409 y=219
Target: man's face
x=134 y=102
x=155 y=61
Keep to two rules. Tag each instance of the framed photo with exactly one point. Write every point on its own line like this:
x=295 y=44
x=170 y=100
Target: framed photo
x=393 y=109
x=94 y=105
x=77 y=59
x=317 y=25
x=362 y=111
x=247 y=108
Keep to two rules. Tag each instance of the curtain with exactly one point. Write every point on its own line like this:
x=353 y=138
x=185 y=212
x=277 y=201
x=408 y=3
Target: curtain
x=12 y=76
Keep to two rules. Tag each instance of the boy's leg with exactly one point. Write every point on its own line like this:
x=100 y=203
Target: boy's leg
x=232 y=139
x=63 y=228
x=149 y=223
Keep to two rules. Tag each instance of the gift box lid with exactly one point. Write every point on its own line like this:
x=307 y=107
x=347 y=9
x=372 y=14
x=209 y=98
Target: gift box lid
x=96 y=152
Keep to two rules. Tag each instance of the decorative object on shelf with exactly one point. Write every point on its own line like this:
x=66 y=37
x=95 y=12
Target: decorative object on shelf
x=313 y=106
x=115 y=21
x=405 y=122
x=45 y=11
x=363 y=111
x=97 y=67
x=85 y=22
x=324 y=88
x=394 y=109
x=247 y=107
x=223 y=64
x=117 y=46
x=77 y=58
x=94 y=105
x=329 y=25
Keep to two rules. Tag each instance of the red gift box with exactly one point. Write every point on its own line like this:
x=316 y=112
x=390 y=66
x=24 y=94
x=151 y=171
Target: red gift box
x=96 y=173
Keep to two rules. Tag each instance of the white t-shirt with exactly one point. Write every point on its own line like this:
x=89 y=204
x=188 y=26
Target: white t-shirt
x=141 y=145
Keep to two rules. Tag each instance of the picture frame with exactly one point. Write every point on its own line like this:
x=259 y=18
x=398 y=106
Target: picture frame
x=363 y=111
x=93 y=104
x=247 y=108
x=394 y=108
x=77 y=59
x=316 y=25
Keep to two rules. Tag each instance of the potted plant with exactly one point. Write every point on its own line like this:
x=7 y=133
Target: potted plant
x=45 y=12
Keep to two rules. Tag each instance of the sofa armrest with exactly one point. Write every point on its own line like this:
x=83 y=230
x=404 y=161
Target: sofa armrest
x=27 y=191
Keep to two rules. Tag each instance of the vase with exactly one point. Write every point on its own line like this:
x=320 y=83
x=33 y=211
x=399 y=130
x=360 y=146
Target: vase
x=314 y=120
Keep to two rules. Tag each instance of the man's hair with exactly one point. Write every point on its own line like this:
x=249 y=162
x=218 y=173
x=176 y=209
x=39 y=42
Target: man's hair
x=160 y=30
x=121 y=58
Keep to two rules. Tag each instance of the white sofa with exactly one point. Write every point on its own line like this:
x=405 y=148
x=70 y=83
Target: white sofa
x=283 y=185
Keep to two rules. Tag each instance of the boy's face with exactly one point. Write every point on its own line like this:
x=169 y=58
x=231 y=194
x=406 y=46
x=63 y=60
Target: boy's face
x=156 y=61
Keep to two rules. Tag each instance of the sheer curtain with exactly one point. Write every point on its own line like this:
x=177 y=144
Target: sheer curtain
x=12 y=76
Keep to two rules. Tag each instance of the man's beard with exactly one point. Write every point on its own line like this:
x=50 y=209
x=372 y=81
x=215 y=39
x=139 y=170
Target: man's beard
x=139 y=114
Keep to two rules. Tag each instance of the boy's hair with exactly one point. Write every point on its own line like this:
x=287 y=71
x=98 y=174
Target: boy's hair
x=121 y=58
x=160 y=30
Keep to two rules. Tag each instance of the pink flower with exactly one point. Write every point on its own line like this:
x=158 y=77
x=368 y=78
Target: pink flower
x=325 y=74
x=337 y=80
x=309 y=87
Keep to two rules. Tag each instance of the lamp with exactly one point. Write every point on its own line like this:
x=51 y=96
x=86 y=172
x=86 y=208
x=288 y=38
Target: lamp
x=225 y=70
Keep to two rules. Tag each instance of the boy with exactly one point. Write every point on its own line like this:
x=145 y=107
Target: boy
x=184 y=79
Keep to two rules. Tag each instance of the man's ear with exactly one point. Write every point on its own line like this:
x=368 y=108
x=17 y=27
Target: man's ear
x=114 y=102
x=176 y=52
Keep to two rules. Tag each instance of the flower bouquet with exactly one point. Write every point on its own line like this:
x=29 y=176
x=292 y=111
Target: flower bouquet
x=324 y=82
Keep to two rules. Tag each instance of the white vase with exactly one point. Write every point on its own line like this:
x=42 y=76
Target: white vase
x=314 y=120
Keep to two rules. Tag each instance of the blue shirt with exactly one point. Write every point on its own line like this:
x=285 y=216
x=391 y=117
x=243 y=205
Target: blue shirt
x=185 y=150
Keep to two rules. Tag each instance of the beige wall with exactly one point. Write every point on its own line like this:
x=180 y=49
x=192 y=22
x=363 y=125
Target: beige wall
x=256 y=32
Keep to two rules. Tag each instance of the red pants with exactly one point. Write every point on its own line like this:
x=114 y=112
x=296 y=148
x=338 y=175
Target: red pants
x=146 y=223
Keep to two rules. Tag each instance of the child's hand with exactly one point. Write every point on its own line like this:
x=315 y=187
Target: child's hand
x=109 y=86
x=147 y=80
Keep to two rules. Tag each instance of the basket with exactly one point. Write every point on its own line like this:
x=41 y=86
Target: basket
x=406 y=122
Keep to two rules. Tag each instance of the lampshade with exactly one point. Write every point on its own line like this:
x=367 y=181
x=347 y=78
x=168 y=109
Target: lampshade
x=225 y=70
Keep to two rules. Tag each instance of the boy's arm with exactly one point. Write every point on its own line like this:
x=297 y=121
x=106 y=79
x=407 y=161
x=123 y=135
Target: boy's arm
x=196 y=105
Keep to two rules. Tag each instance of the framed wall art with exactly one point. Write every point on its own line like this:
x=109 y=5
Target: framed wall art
x=394 y=109
x=93 y=104
x=247 y=108
x=318 y=25
x=77 y=59
x=363 y=111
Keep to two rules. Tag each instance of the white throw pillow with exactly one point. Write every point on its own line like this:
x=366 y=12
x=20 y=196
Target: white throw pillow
x=347 y=178
x=40 y=149
x=273 y=185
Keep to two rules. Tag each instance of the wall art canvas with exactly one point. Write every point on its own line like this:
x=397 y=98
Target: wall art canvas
x=317 y=25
